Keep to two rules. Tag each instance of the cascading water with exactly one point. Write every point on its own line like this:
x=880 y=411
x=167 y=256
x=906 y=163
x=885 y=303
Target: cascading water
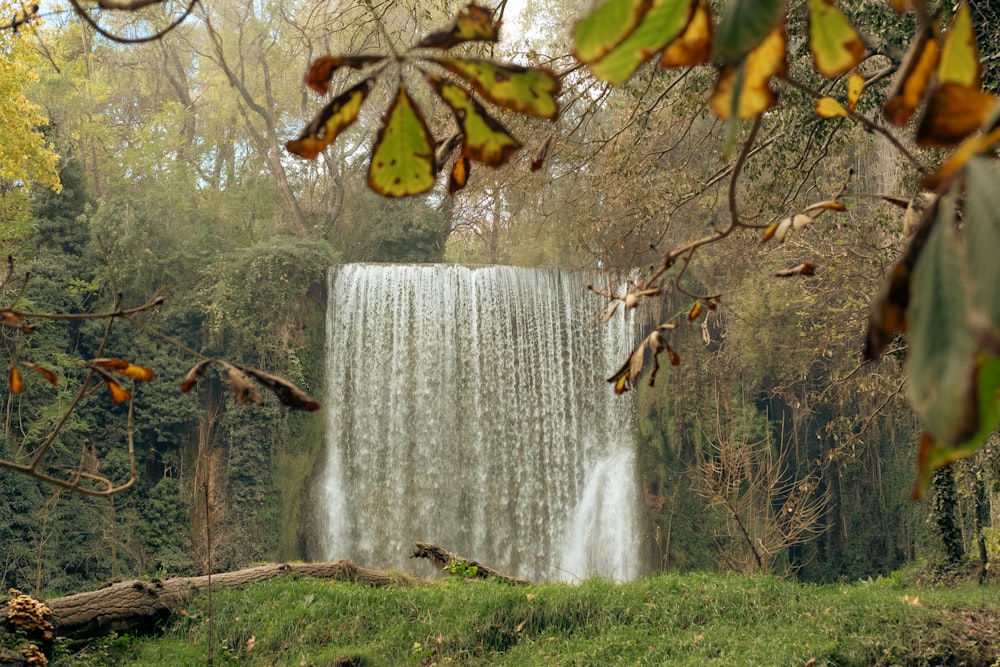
x=468 y=408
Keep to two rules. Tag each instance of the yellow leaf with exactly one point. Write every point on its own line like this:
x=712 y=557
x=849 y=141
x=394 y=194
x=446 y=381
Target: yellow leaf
x=953 y=112
x=664 y=21
x=827 y=107
x=16 y=382
x=403 y=159
x=459 y=175
x=330 y=122
x=959 y=55
x=828 y=205
x=693 y=46
x=746 y=84
x=836 y=45
x=972 y=146
x=527 y=91
x=599 y=32
x=474 y=23
x=908 y=87
x=485 y=140
x=140 y=373
x=855 y=84
x=118 y=392
x=695 y=311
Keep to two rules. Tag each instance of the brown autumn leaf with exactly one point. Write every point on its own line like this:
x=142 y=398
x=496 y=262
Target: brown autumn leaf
x=289 y=395
x=803 y=269
x=693 y=46
x=15 y=381
x=123 y=367
x=887 y=316
x=44 y=372
x=628 y=375
x=675 y=359
x=975 y=145
x=242 y=389
x=474 y=23
x=911 y=80
x=118 y=393
x=780 y=230
x=340 y=113
x=541 y=153
x=953 y=112
x=193 y=376
x=321 y=72
x=459 y=174
x=744 y=87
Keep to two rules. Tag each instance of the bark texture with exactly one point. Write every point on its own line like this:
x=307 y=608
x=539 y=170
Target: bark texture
x=137 y=606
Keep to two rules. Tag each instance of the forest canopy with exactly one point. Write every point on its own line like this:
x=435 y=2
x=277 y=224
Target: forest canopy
x=751 y=161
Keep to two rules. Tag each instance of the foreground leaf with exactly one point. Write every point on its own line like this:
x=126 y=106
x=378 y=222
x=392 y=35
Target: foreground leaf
x=959 y=54
x=744 y=26
x=982 y=226
x=911 y=80
x=663 y=22
x=835 y=44
x=474 y=23
x=827 y=107
x=941 y=362
x=484 y=139
x=321 y=72
x=693 y=46
x=528 y=91
x=744 y=88
x=15 y=382
x=289 y=395
x=971 y=147
x=599 y=32
x=855 y=84
x=49 y=376
x=403 y=158
x=954 y=111
x=193 y=376
x=330 y=122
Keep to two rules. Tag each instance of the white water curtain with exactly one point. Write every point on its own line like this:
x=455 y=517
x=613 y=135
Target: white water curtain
x=468 y=407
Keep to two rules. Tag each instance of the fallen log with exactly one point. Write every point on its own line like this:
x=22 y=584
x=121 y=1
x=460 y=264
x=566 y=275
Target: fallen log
x=442 y=558
x=140 y=605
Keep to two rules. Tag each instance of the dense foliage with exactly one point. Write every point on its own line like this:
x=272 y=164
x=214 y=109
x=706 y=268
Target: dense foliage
x=768 y=447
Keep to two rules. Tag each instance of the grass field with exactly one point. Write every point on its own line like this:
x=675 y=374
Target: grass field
x=672 y=619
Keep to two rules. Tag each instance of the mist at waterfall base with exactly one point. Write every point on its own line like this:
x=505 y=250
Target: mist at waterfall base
x=468 y=408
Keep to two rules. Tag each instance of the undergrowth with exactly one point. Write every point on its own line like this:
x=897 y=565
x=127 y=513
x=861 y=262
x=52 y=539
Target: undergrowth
x=690 y=619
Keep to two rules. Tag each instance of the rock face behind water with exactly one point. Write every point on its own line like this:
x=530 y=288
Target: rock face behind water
x=468 y=407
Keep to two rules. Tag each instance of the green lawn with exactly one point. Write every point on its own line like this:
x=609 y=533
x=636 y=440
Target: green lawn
x=689 y=619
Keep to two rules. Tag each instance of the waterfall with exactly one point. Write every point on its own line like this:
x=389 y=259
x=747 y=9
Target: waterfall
x=467 y=407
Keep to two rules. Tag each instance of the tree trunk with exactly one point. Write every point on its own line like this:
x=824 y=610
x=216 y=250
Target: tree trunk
x=138 y=606
x=440 y=558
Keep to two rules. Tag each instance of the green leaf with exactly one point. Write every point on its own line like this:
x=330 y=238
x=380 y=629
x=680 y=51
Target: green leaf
x=474 y=23
x=941 y=363
x=836 y=45
x=937 y=453
x=330 y=122
x=959 y=55
x=600 y=31
x=982 y=225
x=744 y=26
x=484 y=139
x=403 y=159
x=528 y=91
x=665 y=20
